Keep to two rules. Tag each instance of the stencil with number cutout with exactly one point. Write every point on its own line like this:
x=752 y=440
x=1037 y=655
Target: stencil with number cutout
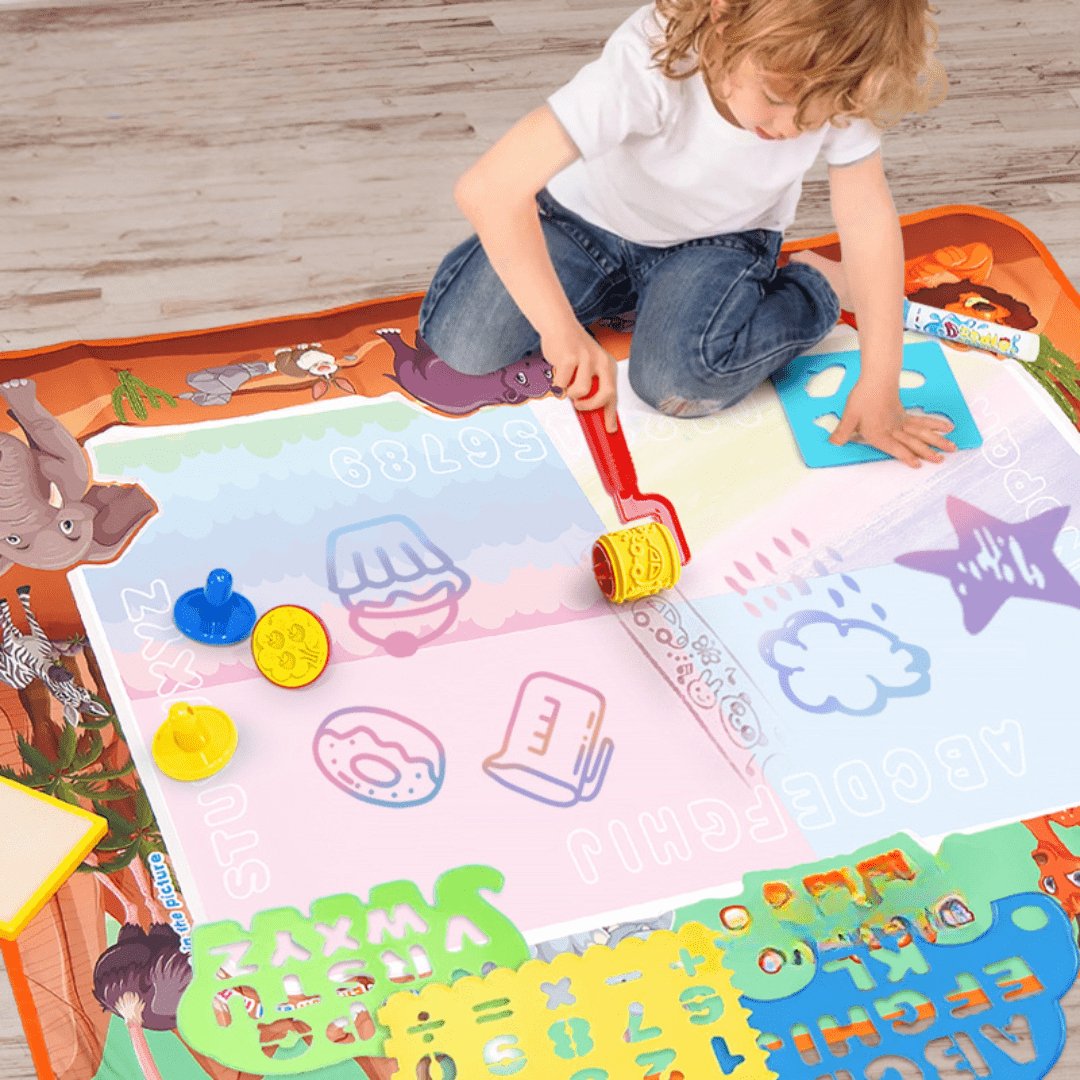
x=297 y=993
x=662 y=1007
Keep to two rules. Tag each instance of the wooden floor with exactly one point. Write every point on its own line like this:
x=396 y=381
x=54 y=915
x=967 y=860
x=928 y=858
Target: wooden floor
x=173 y=164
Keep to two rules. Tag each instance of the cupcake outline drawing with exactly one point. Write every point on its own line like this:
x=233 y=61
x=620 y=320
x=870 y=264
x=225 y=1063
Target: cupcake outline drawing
x=401 y=590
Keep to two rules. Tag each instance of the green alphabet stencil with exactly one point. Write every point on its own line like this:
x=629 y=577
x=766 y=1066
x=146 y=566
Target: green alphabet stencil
x=296 y=993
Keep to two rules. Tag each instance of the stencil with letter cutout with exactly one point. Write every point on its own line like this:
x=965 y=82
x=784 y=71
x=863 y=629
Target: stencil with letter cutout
x=927 y=385
x=661 y=1007
x=296 y=993
x=783 y=922
x=990 y=1007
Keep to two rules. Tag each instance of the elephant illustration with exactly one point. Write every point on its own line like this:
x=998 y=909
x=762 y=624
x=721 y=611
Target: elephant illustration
x=51 y=515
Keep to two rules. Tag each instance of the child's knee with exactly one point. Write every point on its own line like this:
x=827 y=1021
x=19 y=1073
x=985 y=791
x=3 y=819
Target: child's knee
x=458 y=345
x=475 y=331
x=466 y=354
x=687 y=401
x=688 y=408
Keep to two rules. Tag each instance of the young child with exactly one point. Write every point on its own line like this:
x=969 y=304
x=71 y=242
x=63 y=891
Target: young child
x=662 y=177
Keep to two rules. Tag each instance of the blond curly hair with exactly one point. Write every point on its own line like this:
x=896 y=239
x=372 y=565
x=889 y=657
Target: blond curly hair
x=837 y=59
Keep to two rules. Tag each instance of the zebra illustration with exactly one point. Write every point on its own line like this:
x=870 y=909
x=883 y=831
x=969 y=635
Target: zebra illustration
x=24 y=659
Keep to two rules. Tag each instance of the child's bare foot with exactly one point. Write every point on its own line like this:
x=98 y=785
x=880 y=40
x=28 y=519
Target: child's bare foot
x=834 y=271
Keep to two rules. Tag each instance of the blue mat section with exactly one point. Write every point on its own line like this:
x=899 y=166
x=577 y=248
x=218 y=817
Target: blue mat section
x=938 y=394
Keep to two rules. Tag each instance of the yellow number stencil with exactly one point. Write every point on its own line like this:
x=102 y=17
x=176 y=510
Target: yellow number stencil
x=291 y=646
x=660 y=1007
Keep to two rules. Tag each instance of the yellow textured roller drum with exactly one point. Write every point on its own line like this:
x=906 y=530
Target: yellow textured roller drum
x=636 y=562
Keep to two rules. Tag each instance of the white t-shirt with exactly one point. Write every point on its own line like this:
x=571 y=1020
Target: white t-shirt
x=659 y=165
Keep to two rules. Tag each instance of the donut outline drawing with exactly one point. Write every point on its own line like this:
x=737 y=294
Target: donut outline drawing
x=390 y=760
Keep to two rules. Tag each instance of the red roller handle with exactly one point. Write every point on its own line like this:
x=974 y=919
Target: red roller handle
x=616 y=468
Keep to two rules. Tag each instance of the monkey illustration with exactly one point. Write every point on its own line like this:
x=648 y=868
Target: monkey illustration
x=51 y=515
x=216 y=385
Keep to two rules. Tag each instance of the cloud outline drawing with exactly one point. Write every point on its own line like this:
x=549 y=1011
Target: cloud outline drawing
x=788 y=673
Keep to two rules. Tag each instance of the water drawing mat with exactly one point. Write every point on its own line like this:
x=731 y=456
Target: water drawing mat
x=482 y=703
x=771 y=539
x=449 y=560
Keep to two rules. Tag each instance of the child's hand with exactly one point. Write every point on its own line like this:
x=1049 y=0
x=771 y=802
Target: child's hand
x=578 y=361
x=875 y=416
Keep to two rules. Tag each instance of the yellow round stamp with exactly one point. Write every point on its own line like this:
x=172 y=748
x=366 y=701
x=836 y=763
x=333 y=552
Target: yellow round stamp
x=291 y=646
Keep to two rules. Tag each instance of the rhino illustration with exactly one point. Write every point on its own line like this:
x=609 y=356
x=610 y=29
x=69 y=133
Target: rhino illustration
x=429 y=379
x=51 y=515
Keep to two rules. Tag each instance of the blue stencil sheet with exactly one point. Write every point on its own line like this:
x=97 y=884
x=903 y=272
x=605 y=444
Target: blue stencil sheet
x=991 y=1007
x=938 y=394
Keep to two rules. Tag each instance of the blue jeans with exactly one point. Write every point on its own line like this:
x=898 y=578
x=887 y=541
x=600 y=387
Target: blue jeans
x=715 y=316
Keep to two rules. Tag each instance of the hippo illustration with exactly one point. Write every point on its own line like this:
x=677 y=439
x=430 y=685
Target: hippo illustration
x=51 y=515
x=421 y=374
